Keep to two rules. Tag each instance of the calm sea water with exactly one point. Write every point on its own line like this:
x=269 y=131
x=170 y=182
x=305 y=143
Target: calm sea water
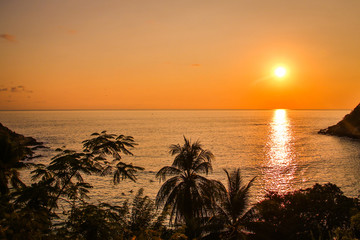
x=280 y=147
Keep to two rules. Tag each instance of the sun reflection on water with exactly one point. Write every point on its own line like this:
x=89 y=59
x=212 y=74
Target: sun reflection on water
x=280 y=166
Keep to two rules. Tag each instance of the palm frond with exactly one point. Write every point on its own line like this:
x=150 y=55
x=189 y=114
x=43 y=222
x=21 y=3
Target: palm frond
x=125 y=171
x=107 y=171
x=174 y=149
x=167 y=171
x=41 y=172
x=203 y=156
x=15 y=179
x=204 y=167
x=234 y=200
x=165 y=190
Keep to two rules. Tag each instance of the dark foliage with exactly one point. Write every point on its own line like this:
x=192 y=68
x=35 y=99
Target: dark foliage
x=64 y=174
x=61 y=179
x=304 y=214
x=188 y=195
x=23 y=223
x=14 y=149
x=104 y=221
x=91 y=222
x=232 y=207
x=11 y=154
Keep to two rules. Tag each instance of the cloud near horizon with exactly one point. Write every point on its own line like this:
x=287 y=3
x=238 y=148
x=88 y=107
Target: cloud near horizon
x=15 y=89
x=8 y=37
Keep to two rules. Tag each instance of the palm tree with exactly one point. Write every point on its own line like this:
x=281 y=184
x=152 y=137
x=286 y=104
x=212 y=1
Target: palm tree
x=188 y=195
x=233 y=203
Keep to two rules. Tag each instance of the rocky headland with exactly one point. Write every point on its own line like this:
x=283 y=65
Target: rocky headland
x=21 y=139
x=28 y=144
x=349 y=126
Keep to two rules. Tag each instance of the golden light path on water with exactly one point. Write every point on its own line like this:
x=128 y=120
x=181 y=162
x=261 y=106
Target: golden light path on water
x=280 y=165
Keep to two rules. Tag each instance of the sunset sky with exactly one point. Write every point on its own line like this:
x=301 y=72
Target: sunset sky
x=199 y=54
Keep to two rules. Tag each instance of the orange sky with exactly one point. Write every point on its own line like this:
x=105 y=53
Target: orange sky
x=206 y=54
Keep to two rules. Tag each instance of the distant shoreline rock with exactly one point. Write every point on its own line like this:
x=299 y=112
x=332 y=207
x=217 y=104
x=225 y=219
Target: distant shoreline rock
x=349 y=126
x=25 y=141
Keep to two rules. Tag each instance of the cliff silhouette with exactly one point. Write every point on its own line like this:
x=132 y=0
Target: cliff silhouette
x=21 y=139
x=349 y=126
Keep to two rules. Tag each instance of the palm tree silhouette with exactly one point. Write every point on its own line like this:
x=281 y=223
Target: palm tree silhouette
x=233 y=203
x=188 y=195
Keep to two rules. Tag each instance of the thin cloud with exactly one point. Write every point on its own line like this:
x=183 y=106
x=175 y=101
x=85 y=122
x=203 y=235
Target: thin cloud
x=8 y=37
x=16 y=89
x=72 y=32
x=68 y=31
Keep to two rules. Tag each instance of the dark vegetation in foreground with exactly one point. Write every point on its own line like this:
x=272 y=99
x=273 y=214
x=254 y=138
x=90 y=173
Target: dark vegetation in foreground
x=187 y=206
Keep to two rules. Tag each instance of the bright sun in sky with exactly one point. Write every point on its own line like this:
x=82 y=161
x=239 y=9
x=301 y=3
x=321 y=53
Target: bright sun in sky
x=280 y=72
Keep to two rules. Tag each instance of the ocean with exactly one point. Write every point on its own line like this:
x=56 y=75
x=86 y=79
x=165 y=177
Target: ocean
x=280 y=147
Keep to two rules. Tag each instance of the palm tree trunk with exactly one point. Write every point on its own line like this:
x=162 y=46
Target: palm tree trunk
x=189 y=217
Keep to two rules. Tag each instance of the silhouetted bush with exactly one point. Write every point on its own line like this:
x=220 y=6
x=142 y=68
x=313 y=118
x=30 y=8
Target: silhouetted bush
x=105 y=221
x=313 y=213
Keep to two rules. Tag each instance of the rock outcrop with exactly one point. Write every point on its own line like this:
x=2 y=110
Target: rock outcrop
x=24 y=145
x=22 y=140
x=348 y=127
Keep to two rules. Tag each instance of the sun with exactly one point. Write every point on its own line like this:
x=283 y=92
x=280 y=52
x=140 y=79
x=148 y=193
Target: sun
x=280 y=72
